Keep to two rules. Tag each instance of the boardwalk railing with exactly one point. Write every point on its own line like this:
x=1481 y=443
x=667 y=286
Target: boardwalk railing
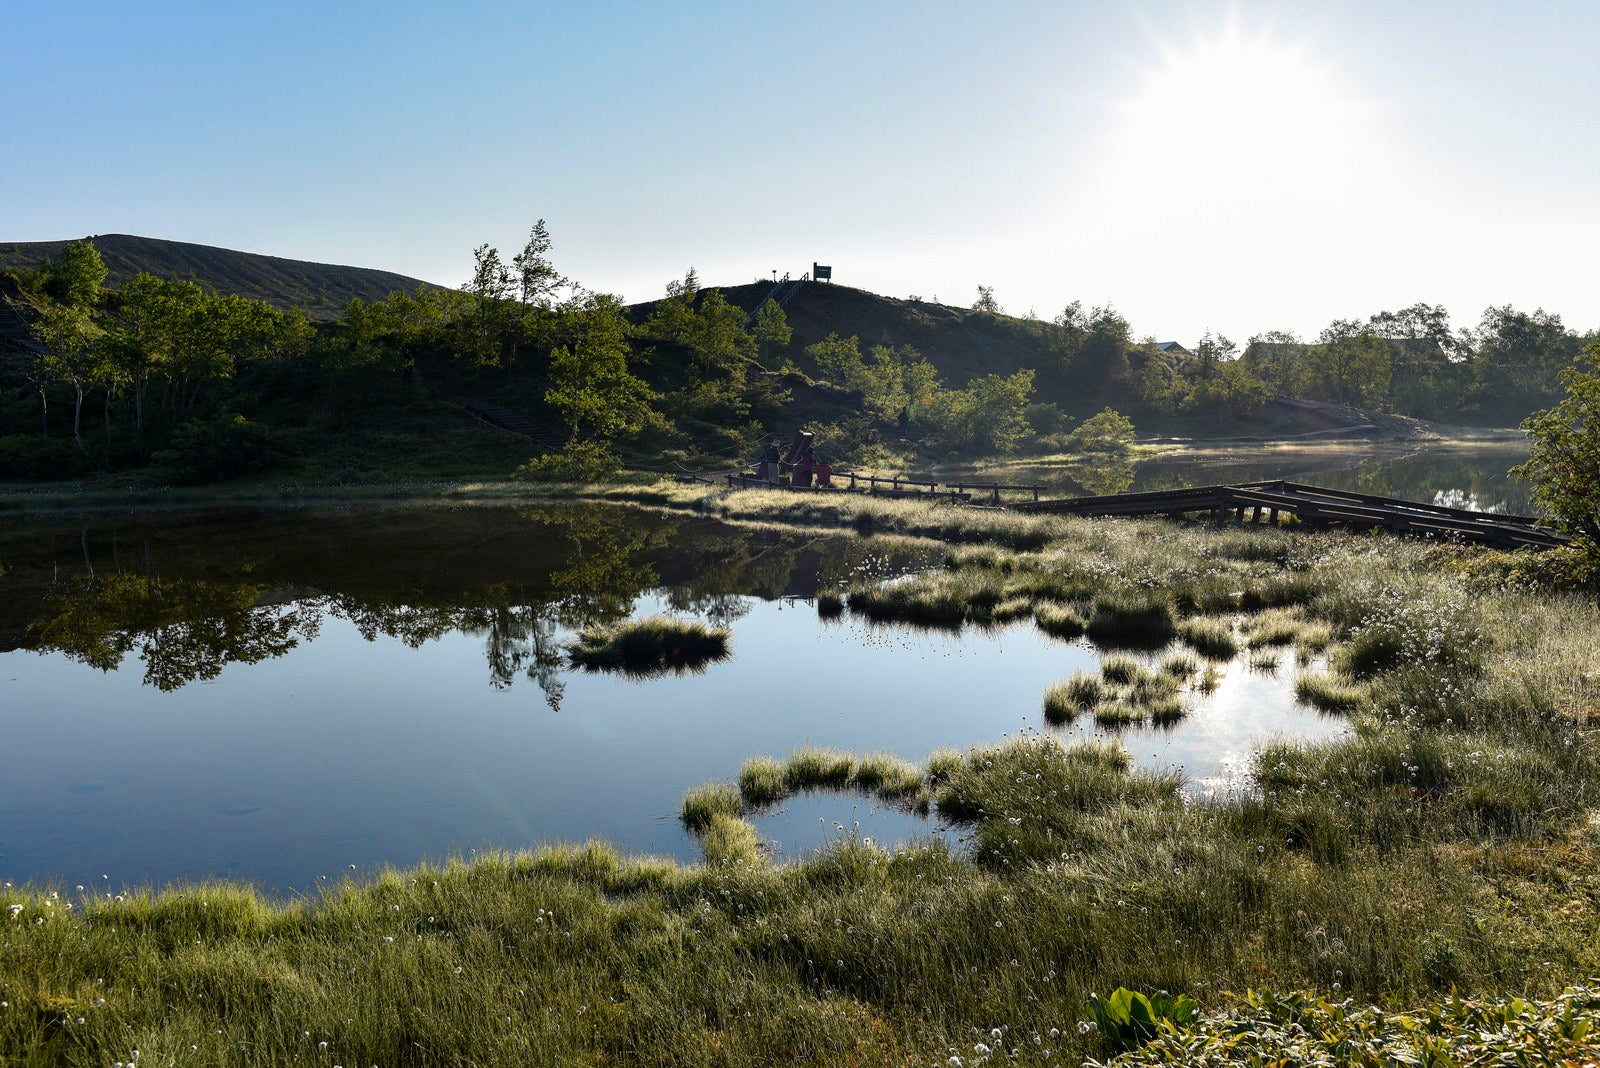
x=993 y=489
x=1249 y=502
x=1263 y=502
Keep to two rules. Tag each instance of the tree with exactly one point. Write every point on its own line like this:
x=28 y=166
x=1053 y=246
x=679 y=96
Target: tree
x=74 y=275
x=989 y=416
x=986 y=301
x=74 y=356
x=1564 y=463
x=1519 y=360
x=597 y=395
x=537 y=278
x=1110 y=431
x=1350 y=364
x=772 y=328
x=839 y=359
x=1277 y=358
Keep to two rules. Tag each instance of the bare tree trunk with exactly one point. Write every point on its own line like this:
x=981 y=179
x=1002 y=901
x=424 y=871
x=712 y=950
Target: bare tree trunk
x=77 y=419
x=44 y=412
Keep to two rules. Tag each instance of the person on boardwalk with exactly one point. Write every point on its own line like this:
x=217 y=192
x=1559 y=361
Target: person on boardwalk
x=803 y=467
x=767 y=471
x=824 y=473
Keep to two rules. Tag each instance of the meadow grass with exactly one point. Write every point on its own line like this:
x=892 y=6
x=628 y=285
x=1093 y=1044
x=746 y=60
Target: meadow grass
x=1441 y=854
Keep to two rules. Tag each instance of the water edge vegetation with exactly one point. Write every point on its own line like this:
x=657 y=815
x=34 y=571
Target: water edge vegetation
x=1448 y=843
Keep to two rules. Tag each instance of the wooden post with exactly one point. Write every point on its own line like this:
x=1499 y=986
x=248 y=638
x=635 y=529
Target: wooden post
x=997 y=493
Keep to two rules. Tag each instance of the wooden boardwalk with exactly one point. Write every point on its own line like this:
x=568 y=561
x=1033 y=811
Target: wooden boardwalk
x=1315 y=506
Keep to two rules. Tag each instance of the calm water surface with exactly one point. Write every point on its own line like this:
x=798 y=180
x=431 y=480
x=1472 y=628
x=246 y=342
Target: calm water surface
x=1473 y=476
x=276 y=697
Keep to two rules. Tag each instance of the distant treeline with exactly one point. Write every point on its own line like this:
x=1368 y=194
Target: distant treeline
x=199 y=386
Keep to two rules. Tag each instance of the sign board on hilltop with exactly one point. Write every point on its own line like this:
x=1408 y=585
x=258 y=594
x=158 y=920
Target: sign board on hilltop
x=819 y=272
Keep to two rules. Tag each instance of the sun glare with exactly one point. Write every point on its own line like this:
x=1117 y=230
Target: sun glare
x=1241 y=152
x=1237 y=99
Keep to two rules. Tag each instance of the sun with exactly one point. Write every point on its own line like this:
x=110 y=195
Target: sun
x=1226 y=165
x=1241 y=100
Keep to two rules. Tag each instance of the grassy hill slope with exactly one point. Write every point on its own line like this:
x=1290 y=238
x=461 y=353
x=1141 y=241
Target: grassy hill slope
x=963 y=344
x=321 y=290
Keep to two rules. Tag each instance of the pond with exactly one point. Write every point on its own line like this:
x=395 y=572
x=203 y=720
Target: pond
x=1471 y=475
x=279 y=696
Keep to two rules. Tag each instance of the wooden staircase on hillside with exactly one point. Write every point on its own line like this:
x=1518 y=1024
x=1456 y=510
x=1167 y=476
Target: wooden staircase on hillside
x=782 y=292
x=514 y=422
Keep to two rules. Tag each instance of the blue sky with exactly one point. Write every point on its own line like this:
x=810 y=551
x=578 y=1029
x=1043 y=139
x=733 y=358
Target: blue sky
x=1234 y=167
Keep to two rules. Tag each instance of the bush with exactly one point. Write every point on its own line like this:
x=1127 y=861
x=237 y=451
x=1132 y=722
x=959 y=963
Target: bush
x=33 y=457
x=583 y=461
x=225 y=446
x=1110 y=431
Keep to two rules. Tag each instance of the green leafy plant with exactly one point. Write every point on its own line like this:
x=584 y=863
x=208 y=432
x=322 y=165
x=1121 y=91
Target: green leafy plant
x=1128 y=1018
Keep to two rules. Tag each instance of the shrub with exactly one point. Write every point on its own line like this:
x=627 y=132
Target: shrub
x=583 y=461
x=226 y=446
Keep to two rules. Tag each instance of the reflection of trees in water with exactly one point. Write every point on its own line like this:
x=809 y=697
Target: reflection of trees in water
x=1106 y=474
x=183 y=630
x=564 y=569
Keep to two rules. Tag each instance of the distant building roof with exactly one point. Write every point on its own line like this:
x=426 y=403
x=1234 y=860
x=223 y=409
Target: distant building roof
x=1170 y=346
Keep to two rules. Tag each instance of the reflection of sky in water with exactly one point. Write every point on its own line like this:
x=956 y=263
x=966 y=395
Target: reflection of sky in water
x=352 y=752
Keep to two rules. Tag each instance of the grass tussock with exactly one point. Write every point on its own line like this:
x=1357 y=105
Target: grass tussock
x=1124 y=692
x=1136 y=620
x=652 y=646
x=765 y=781
x=704 y=803
x=1211 y=638
x=1060 y=621
x=1328 y=692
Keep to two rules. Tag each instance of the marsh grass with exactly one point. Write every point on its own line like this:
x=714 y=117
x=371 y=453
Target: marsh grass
x=1059 y=620
x=1124 y=692
x=704 y=803
x=1263 y=660
x=1211 y=638
x=1442 y=849
x=1131 y=620
x=1275 y=627
x=765 y=781
x=830 y=603
x=1078 y=693
x=651 y=646
x=1329 y=692
x=1180 y=665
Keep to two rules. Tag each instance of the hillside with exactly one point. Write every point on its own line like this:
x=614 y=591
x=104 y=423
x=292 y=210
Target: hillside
x=962 y=343
x=321 y=290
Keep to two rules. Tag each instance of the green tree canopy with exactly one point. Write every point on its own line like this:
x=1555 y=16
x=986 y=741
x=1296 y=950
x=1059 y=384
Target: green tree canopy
x=1564 y=464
